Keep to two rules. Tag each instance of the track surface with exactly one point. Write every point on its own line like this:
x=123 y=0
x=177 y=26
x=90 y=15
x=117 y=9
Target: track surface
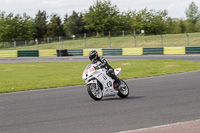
x=153 y=101
x=85 y=58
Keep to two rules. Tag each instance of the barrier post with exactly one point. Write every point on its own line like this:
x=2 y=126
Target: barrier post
x=109 y=39
x=135 y=40
x=188 y=42
x=85 y=39
x=161 y=40
x=36 y=40
x=14 y=44
x=61 y=40
x=25 y=42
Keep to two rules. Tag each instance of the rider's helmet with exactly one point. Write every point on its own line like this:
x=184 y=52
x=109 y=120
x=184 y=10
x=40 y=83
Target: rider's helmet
x=93 y=55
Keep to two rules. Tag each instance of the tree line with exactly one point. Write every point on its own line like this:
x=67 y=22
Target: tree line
x=100 y=18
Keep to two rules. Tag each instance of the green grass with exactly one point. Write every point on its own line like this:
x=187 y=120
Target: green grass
x=29 y=76
x=169 y=40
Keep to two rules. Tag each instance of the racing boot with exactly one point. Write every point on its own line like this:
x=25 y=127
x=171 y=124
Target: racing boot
x=117 y=81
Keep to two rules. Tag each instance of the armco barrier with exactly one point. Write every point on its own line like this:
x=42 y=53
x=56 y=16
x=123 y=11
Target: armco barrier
x=8 y=53
x=47 y=53
x=132 y=51
x=113 y=51
x=192 y=50
x=28 y=53
x=87 y=51
x=75 y=52
x=174 y=50
x=117 y=51
x=152 y=51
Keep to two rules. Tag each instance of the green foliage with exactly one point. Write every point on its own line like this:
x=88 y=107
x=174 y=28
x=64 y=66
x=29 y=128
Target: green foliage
x=16 y=27
x=101 y=17
x=152 y=21
x=193 y=16
x=125 y=20
x=55 y=27
x=74 y=24
x=172 y=25
x=41 y=24
x=182 y=26
x=29 y=30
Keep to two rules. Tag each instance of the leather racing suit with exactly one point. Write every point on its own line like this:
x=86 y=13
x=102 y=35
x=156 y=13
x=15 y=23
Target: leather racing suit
x=110 y=71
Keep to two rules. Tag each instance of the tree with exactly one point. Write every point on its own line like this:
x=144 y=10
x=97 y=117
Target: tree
x=182 y=26
x=41 y=24
x=172 y=26
x=3 y=35
x=74 y=24
x=193 y=16
x=125 y=21
x=152 y=21
x=11 y=27
x=158 y=18
x=66 y=18
x=55 y=27
x=28 y=25
x=16 y=27
x=102 y=16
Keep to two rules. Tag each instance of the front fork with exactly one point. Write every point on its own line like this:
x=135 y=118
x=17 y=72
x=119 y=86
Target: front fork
x=114 y=86
x=93 y=82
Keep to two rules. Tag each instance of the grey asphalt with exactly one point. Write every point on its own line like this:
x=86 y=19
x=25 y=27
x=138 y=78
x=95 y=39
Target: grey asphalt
x=152 y=101
x=85 y=58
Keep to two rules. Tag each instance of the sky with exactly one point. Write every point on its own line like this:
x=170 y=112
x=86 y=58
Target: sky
x=175 y=8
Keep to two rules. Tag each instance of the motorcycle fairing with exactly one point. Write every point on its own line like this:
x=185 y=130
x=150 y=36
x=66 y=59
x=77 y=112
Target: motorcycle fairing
x=91 y=76
x=117 y=71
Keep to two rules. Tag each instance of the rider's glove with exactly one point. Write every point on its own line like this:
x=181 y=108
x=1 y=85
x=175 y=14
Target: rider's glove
x=97 y=67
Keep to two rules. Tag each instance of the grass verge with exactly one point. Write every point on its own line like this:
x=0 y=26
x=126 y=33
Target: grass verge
x=29 y=76
x=169 y=40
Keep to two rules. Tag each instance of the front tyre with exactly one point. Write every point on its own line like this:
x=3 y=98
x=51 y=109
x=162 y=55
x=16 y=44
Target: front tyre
x=123 y=92
x=95 y=92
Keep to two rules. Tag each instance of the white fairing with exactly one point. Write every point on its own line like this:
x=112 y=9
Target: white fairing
x=90 y=75
x=118 y=71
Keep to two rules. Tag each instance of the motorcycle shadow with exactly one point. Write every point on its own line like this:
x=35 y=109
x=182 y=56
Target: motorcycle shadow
x=118 y=98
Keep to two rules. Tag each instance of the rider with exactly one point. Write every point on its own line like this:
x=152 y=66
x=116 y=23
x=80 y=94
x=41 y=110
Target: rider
x=94 y=58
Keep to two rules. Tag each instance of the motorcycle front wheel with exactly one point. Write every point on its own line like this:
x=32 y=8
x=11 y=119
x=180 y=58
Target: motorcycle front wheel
x=95 y=92
x=123 y=92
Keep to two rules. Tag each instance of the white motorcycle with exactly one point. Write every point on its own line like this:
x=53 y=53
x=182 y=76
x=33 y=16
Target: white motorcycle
x=100 y=85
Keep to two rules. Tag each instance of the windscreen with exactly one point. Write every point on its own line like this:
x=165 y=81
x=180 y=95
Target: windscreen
x=87 y=67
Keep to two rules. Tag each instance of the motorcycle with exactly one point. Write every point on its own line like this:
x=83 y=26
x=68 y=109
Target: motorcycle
x=100 y=85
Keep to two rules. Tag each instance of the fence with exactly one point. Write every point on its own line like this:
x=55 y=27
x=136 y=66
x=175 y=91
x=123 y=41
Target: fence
x=123 y=39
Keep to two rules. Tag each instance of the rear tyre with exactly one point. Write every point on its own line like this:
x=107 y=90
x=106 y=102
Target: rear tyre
x=95 y=92
x=123 y=92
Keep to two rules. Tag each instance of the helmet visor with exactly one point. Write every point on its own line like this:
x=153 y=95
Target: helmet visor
x=93 y=57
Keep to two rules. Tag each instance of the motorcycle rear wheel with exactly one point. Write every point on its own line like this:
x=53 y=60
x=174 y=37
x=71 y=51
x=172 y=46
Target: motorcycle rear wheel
x=123 y=92
x=94 y=92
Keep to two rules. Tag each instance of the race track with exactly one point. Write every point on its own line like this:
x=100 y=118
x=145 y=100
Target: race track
x=153 y=101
